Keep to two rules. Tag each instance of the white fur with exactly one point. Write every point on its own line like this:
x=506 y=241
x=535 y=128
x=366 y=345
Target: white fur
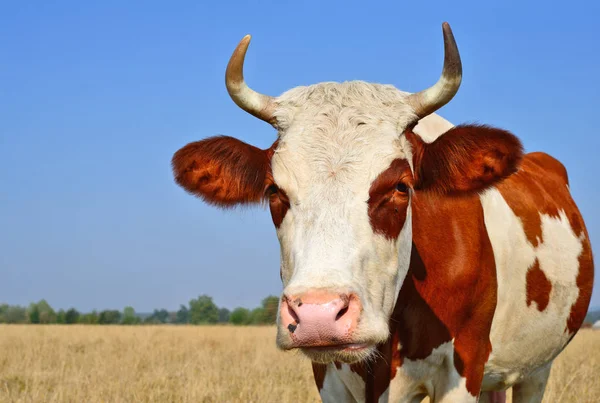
x=516 y=328
x=454 y=389
x=431 y=127
x=385 y=396
x=343 y=385
x=435 y=376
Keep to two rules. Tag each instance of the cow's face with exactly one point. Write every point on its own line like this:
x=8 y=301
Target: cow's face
x=340 y=180
x=340 y=201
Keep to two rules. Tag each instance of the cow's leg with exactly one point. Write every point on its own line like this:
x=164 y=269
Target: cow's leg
x=531 y=389
x=493 y=397
x=338 y=383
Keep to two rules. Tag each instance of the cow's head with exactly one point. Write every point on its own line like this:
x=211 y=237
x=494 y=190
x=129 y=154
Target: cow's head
x=339 y=180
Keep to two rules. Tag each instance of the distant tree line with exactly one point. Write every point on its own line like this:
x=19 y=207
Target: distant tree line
x=199 y=311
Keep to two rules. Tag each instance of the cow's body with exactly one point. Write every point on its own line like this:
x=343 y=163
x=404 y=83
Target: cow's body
x=521 y=296
x=417 y=258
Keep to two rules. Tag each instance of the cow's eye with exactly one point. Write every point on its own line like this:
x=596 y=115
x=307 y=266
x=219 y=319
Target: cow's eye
x=401 y=187
x=271 y=190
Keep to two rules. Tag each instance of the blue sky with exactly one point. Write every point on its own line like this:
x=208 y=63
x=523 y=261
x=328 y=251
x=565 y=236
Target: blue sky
x=96 y=97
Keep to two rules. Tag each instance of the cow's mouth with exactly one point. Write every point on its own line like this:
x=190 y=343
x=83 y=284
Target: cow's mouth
x=347 y=352
x=341 y=347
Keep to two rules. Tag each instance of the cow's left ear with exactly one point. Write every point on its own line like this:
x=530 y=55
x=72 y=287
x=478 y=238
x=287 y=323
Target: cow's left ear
x=464 y=159
x=223 y=171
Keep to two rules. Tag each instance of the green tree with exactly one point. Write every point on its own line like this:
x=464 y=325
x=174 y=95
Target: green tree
x=203 y=310
x=162 y=315
x=3 y=310
x=34 y=313
x=172 y=317
x=89 y=318
x=129 y=317
x=45 y=313
x=13 y=314
x=240 y=316
x=109 y=316
x=224 y=315
x=158 y=316
x=257 y=316
x=152 y=320
x=183 y=315
x=61 y=317
x=270 y=307
x=72 y=316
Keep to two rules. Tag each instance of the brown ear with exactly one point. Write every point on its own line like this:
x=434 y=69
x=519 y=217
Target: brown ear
x=222 y=170
x=465 y=158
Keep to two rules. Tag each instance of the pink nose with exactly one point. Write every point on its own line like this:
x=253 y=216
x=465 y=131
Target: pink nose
x=320 y=318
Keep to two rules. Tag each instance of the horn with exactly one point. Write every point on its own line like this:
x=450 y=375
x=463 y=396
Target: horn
x=433 y=98
x=260 y=105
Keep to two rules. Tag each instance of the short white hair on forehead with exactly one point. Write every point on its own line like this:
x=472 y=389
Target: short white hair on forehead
x=333 y=104
x=341 y=112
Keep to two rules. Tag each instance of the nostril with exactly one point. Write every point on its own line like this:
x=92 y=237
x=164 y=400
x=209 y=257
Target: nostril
x=341 y=313
x=293 y=314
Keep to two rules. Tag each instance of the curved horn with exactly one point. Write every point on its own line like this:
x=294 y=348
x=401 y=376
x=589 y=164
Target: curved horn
x=260 y=105
x=433 y=98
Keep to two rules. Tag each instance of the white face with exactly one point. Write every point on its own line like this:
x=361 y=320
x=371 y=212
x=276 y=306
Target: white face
x=330 y=153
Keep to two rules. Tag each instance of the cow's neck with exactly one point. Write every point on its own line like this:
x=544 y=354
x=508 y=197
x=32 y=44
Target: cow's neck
x=451 y=281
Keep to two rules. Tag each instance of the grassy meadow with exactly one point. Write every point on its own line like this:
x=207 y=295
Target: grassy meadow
x=76 y=363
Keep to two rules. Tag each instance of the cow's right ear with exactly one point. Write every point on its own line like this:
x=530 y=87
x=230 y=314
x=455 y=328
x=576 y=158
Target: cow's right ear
x=467 y=158
x=223 y=171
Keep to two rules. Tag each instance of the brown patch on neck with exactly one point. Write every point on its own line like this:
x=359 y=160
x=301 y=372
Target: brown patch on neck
x=419 y=330
x=396 y=360
x=319 y=371
x=450 y=290
x=376 y=374
x=378 y=379
x=538 y=287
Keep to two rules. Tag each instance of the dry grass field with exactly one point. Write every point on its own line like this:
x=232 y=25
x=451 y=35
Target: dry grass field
x=199 y=364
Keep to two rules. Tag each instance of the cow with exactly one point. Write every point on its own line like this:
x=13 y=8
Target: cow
x=418 y=257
